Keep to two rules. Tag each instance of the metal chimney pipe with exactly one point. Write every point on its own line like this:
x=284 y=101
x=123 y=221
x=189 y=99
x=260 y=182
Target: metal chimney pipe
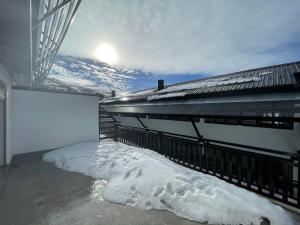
x=160 y=85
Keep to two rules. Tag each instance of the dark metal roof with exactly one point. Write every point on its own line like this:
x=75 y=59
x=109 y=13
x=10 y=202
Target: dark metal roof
x=275 y=78
x=282 y=109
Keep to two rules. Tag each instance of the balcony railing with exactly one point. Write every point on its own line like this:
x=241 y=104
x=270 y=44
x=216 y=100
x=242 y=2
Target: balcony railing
x=271 y=173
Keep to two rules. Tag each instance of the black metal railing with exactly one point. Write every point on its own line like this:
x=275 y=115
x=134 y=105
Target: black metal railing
x=274 y=174
x=106 y=124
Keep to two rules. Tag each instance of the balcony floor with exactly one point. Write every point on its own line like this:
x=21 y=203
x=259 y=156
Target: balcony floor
x=36 y=192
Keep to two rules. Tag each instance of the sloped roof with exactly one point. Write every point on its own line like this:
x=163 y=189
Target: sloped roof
x=272 y=78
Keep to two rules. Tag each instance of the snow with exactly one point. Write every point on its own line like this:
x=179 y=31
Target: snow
x=146 y=180
x=212 y=82
x=124 y=95
x=171 y=95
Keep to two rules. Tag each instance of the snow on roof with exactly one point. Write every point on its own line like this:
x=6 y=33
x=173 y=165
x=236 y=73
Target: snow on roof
x=125 y=96
x=255 y=79
x=170 y=95
x=220 y=81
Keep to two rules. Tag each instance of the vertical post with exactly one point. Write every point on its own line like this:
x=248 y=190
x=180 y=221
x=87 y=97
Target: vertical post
x=298 y=187
x=115 y=132
x=160 y=142
x=239 y=168
x=286 y=186
x=230 y=166
x=188 y=158
x=249 y=171
x=272 y=178
x=222 y=163
x=195 y=162
x=205 y=156
x=200 y=146
x=259 y=174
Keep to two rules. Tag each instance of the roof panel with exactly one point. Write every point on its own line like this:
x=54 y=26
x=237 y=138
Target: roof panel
x=255 y=79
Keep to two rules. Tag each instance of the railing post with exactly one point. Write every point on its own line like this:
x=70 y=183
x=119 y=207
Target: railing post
x=115 y=132
x=147 y=138
x=298 y=187
x=200 y=146
x=160 y=140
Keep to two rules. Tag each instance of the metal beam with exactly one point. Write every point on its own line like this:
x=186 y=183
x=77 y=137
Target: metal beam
x=54 y=24
x=141 y=122
x=56 y=8
x=196 y=129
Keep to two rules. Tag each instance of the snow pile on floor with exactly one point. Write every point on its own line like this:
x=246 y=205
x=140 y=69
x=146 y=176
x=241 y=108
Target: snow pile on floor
x=146 y=180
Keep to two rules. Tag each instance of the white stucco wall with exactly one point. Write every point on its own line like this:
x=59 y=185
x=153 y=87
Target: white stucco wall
x=43 y=120
x=277 y=139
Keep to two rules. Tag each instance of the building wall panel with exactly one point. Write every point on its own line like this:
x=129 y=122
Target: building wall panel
x=44 y=120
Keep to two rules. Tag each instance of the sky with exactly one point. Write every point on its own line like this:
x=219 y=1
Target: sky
x=186 y=37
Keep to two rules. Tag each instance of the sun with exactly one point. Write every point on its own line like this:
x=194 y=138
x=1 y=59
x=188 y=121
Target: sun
x=106 y=53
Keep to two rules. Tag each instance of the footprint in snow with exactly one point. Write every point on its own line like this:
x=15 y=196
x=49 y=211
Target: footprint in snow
x=112 y=165
x=139 y=173
x=157 y=191
x=133 y=196
x=133 y=188
x=148 y=205
x=127 y=174
x=166 y=205
x=169 y=189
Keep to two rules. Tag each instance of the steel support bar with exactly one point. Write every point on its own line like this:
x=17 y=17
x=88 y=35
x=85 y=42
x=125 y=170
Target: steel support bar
x=141 y=122
x=196 y=129
x=56 y=8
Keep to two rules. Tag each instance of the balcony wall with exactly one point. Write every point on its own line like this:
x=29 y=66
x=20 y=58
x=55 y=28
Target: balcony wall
x=44 y=120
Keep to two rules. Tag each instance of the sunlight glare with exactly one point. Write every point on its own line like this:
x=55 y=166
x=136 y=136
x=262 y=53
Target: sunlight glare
x=106 y=53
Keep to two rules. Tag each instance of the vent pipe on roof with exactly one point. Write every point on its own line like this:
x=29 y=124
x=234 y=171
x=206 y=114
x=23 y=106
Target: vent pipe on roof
x=297 y=77
x=160 y=85
x=113 y=93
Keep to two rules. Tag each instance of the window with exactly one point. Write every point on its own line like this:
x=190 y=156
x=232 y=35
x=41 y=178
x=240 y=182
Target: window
x=228 y=121
x=270 y=122
x=173 y=117
x=139 y=115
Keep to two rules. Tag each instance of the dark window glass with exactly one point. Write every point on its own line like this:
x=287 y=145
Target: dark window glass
x=221 y=121
x=251 y=123
x=233 y=121
x=209 y=120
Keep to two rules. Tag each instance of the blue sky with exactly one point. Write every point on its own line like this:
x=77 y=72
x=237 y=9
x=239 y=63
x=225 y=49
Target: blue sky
x=206 y=37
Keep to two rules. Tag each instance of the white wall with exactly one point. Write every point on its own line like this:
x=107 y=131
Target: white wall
x=43 y=120
x=2 y=137
x=277 y=139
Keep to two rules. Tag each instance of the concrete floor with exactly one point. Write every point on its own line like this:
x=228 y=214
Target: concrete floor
x=37 y=193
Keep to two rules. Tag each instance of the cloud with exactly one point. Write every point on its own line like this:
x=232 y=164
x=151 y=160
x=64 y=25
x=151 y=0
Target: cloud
x=194 y=36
